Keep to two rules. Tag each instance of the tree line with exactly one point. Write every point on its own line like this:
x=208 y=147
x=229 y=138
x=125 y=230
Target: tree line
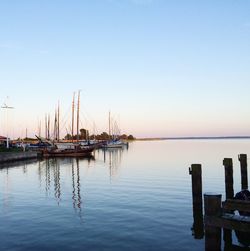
x=84 y=135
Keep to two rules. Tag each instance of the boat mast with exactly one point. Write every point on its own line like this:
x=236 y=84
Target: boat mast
x=46 y=125
x=55 y=126
x=49 y=126
x=73 y=114
x=39 y=128
x=109 y=126
x=78 y=111
x=58 y=122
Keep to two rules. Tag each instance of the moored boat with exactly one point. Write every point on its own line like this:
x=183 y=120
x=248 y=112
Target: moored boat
x=78 y=151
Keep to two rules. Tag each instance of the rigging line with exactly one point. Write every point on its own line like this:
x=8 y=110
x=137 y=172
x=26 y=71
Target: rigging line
x=91 y=122
x=64 y=121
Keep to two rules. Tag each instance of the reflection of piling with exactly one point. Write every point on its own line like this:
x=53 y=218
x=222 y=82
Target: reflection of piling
x=212 y=206
x=229 y=182
x=243 y=171
x=196 y=173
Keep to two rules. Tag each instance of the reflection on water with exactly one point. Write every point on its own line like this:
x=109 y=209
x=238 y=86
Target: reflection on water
x=114 y=160
x=49 y=174
x=49 y=170
x=122 y=199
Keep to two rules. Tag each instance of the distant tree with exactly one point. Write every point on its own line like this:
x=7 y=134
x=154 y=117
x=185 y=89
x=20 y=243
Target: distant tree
x=131 y=137
x=92 y=137
x=123 y=136
x=68 y=137
x=103 y=136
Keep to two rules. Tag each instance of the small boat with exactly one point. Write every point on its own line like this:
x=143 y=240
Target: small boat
x=114 y=144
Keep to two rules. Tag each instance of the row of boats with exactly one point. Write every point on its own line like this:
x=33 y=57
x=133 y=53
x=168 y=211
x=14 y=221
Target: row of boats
x=76 y=149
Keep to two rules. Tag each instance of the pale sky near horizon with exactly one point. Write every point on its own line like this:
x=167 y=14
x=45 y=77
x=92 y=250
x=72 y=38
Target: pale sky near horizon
x=163 y=68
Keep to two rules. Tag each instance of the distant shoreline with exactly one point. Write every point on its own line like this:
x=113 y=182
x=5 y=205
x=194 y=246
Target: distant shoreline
x=193 y=138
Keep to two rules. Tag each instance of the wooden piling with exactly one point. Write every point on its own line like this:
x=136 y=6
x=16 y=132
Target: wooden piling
x=212 y=206
x=198 y=228
x=229 y=186
x=243 y=170
x=195 y=171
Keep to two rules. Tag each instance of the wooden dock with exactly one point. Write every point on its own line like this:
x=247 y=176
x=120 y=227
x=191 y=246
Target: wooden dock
x=227 y=216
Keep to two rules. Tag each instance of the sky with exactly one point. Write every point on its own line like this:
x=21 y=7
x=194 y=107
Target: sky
x=164 y=68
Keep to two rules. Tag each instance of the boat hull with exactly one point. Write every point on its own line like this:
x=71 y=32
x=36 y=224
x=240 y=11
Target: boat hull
x=86 y=152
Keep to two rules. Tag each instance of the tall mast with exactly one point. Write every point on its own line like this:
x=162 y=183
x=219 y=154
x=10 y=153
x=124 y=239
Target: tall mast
x=58 y=122
x=109 y=126
x=78 y=111
x=46 y=126
x=39 y=128
x=73 y=115
x=55 y=126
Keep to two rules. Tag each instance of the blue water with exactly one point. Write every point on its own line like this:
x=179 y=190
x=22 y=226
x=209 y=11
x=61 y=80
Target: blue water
x=131 y=199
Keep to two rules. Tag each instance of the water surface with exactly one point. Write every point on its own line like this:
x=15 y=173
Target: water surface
x=131 y=199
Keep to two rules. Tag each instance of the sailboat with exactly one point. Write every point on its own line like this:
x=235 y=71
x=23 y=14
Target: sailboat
x=113 y=141
x=74 y=149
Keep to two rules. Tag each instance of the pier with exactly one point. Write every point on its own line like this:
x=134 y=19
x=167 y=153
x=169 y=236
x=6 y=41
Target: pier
x=16 y=156
x=233 y=214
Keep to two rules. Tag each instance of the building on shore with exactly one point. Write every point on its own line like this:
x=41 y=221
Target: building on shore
x=3 y=141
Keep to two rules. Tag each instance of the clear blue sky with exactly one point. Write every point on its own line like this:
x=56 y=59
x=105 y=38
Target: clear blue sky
x=164 y=68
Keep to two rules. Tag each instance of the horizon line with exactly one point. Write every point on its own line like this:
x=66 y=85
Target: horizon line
x=195 y=137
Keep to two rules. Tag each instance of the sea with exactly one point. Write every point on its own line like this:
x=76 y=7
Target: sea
x=135 y=198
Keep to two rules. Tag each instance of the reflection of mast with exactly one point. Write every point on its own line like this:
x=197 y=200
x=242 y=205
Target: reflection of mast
x=47 y=176
x=79 y=202
x=115 y=156
x=39 y=173
x=76 y=192
x=73 y=186
x=57 y=185
x=6 y=193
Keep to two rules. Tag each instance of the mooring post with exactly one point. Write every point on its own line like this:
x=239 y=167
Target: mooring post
x=243 y=171
x=229 y=188
x=212 y=205
x=229 y=181
x=196 y=173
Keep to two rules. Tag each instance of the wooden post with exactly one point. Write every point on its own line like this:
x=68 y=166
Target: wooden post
x=229 y=182
x=198 y=228
x=243 y=171
x=227 y=237
x=212 y=203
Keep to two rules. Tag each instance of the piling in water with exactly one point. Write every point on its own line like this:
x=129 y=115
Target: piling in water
x=243 y=170
x=196 y=172
x=212 y=206
x=229 y=182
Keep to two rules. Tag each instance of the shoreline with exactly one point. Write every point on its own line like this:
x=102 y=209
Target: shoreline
x=193 y=138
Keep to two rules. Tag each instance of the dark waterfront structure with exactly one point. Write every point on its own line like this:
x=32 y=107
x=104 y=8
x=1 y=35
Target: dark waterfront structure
x=220 y=215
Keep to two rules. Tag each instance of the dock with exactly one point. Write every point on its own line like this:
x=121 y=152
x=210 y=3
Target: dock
x=222 y=216
x=17 y=156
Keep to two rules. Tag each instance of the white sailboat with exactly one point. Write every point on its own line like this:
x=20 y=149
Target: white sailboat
x=113 y=142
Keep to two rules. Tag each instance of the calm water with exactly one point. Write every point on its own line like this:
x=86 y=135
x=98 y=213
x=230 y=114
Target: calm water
x=132 y=199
